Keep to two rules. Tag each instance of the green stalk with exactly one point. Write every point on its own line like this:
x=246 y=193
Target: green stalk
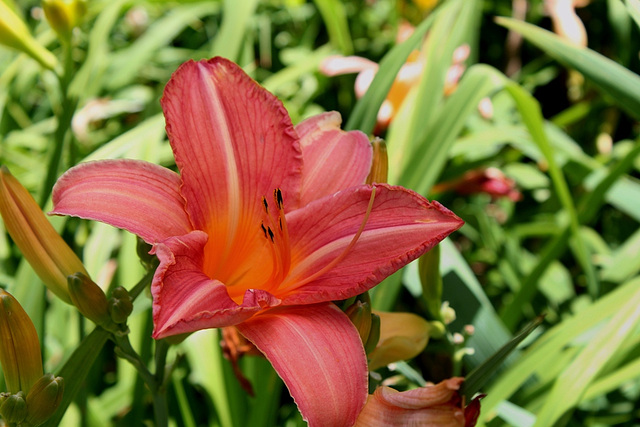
x=63 y=117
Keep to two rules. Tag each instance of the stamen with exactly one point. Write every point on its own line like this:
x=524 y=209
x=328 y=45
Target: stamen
x=346 y=250
x=277 y=195
x=282 y=223
x=278 y=234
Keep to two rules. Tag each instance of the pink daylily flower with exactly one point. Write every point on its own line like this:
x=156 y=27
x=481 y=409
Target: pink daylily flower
x=263 y=227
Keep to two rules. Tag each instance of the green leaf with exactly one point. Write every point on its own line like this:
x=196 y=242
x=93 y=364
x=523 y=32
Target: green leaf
x=633 y=6
x=126 y=63
x=363 y=116
x=429 y=150
x=546 y=353
x=76 y=369
x=477 y=378
x=465 y=295
x=236 y=16
x=570 y=386
x=88 y=80
x=335 y=18
x=620 y=84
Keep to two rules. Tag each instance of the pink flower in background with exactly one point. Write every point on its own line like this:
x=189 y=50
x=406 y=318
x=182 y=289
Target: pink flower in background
x=491 y=181
x=263 y=227
x=566 y=22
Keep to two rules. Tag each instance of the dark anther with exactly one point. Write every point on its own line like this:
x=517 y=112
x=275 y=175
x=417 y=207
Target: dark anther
x=264 y=230
x=266 y=206
x=270 y=233
x=280 y=223
x=278 y=196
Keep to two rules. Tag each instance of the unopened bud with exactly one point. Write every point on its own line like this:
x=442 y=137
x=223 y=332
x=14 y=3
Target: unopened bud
x=469 y=330
x=120 y=305
x=15 y=34
x=19 y=346
x=360 y=315
x=448 y=313
x=380 y=163
x=44 y=398
x=64 y=16
x=13 y=408
x=142 y=249
x=402 y=337
x=431 y=281
x=437 y=329
x=51 y=258
x=89 y=298
x=374 y=334
x=458 y=339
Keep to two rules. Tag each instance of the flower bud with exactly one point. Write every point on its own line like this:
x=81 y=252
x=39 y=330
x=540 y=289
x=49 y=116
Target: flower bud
x=431 y=280
x=15 y=34
x=380 y=163
x=89 y=298
x=374 y=334
x=360 y=315
x=448 y=313
x=44 y=398
x=19 y=346
x=64 y=16
x=149 y=261
x=437 y=329
x=402 y=337
x=120 y=305
x=13 y=408
x=51 y=258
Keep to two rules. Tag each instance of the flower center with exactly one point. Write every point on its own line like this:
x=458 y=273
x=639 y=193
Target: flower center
x=269 y=267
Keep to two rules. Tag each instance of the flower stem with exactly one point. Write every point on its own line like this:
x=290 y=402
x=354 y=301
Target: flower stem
x=64 y=116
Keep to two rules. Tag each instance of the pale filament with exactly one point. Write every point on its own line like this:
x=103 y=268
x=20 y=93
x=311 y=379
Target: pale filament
x=345 y=252
x=281 y=250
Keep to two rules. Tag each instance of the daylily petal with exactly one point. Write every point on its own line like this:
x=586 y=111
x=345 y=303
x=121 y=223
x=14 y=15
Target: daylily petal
x=317 y=351
x=234 y=144
x=186 y=300
x=137 y=196
x=401 y=227
x=437 y=405
x=333 y=159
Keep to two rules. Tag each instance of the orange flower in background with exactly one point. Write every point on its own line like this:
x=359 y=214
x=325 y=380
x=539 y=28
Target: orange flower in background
x=408 y=77
x=433 y=405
